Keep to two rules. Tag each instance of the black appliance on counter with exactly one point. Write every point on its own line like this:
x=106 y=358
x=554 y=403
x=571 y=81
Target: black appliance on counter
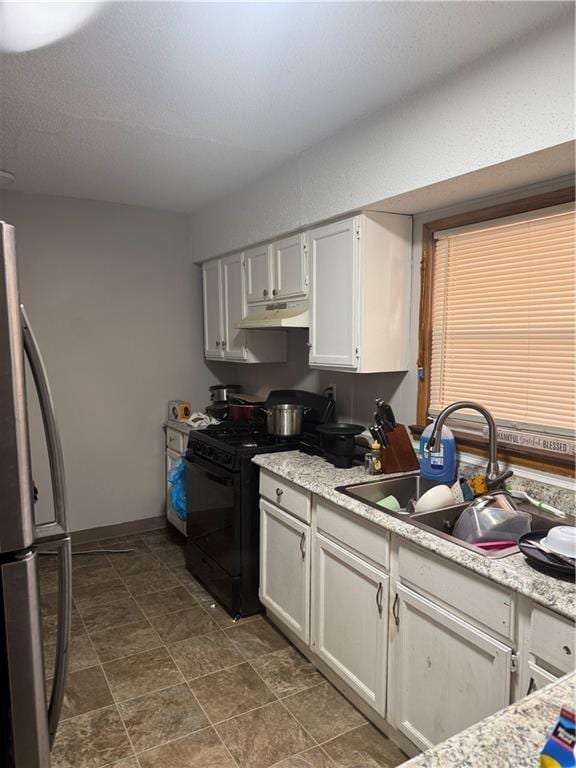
x=222 y=491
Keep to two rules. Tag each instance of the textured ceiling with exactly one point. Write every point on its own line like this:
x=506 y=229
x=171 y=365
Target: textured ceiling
x=173 y=105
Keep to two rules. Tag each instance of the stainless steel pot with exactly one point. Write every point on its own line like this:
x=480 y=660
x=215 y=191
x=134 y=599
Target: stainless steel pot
x=285 y=420
x=220 y=393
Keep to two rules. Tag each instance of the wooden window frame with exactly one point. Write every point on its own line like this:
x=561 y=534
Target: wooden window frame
x=546 y=461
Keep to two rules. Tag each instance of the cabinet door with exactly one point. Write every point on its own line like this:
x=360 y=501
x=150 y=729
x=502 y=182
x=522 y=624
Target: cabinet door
x=448 y=674
x=290 y=273
x=537 y=678
x=259 y=274
x=285 y=568
x=171 y=458
x=212 y=307
x=334 y=295
x=234 y=307
x=349 y=619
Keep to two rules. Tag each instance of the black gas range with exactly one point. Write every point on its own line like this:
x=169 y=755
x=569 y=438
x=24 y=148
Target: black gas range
x=222 y=501
x=228 y=443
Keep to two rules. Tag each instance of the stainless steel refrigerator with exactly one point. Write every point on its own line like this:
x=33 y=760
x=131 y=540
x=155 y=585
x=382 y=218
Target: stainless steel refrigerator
x=27 y=722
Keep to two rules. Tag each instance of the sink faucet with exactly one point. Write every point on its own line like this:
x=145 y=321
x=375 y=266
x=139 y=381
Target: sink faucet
x=492 y=470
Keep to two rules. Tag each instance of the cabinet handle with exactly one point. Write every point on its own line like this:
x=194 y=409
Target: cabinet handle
x=396 y=610
x=531 y=686
x=309 y=345
x=274 y=292
x=303 y=544
x=217 y=345
x=279 y=492
x=223 y=345
x=567 y=650
x=379 y=594
x=265 y=292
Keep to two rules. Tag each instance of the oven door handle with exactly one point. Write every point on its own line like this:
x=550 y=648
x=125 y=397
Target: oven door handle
x=220 y=480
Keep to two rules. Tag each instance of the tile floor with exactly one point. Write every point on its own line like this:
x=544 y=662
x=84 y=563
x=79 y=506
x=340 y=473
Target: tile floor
x=161 y=677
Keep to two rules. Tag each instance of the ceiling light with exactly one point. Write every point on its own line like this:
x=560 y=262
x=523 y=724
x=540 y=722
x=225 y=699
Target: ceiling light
x=27 y=25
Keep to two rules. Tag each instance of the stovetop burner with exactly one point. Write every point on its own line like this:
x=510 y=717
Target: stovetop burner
x=242 y=435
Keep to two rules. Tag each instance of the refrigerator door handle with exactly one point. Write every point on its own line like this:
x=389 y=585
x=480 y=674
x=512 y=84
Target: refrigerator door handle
x=23 y=684
x=59 y=526
x=55 y=531
x=64 y=546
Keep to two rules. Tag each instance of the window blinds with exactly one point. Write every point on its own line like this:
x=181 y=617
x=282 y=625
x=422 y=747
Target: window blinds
x=503 y=330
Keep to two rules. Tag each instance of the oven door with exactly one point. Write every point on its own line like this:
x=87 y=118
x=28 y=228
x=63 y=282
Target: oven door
x=213 y=506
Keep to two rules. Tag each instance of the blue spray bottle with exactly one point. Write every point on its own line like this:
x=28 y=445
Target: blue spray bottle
x=438 y=465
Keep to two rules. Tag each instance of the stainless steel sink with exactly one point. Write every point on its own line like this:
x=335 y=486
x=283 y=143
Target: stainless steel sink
x=404 y=489
x=441 y=521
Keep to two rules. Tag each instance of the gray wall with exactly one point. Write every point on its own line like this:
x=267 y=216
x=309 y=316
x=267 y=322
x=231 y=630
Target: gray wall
x=116 y=307
x=517 y=101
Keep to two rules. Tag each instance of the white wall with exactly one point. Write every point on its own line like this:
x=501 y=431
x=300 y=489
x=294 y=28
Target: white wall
x=517 y=102
x=116 y=307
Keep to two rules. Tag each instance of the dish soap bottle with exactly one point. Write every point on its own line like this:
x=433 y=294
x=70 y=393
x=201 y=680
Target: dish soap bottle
x=439 y=464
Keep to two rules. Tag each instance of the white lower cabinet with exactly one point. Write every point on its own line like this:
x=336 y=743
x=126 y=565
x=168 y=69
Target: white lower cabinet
x=433 y=651
x=549 y=649
x=538 y=678
x=350 y=618
x=446 y=674
x=285 y=568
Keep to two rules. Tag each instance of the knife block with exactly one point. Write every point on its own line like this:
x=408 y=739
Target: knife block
x=399 y=455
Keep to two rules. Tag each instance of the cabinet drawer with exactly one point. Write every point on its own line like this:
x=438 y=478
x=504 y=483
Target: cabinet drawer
x=552 y=640
x=538 y=678
x=471 y=595
x=286 y=495
x=175 y=440
x=352 y=533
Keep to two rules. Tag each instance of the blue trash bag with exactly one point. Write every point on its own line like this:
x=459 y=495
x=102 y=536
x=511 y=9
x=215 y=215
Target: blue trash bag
x=177 y=480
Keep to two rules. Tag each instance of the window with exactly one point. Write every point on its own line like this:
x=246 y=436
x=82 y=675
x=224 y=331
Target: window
x=498 y=322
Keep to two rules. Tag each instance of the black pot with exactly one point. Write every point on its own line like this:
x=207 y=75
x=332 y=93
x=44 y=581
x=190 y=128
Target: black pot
x=338 y=439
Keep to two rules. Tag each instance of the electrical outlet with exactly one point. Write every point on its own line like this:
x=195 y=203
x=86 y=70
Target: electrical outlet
x=330 y=391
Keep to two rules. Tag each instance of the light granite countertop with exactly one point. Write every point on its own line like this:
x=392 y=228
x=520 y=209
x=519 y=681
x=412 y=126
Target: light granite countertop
x=318 y=476
x=511 y=738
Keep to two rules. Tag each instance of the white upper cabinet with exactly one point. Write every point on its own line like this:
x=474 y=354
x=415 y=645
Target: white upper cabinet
x=258 y=274
x=334 y=256
x=360 y=275
x=290 y=276
x=212 y=301
x=234 y=308
x=224 y=306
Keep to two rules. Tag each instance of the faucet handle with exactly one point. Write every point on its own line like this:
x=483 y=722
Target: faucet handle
x=498 y=481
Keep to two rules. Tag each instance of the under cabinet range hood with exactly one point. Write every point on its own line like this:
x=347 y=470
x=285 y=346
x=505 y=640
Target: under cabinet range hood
x=279 y=315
